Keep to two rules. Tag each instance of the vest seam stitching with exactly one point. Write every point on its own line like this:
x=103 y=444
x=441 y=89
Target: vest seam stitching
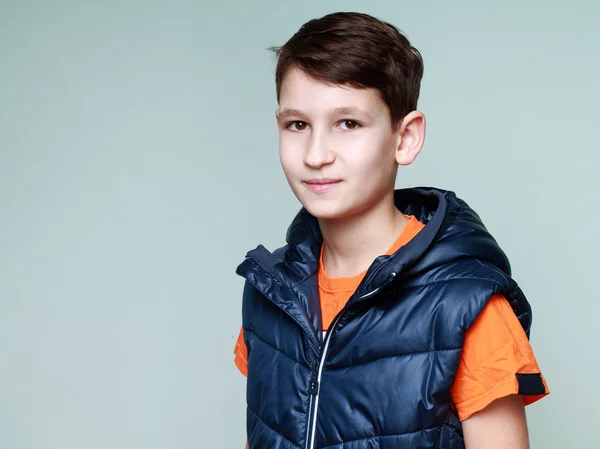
x=273 y=274
x=394 y=435
x=270 y=428
x=459 y=278
x=281 y=280
x=492 y=267
x=304 y=280
x=405 y=354
x=280 y=351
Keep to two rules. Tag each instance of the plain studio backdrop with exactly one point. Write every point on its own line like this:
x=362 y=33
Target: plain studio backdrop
x=138 y=164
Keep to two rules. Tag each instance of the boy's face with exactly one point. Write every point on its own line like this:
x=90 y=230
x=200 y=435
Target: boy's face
x=337 y=146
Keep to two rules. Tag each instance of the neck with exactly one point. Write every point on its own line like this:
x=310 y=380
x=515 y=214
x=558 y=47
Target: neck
x=351 y=244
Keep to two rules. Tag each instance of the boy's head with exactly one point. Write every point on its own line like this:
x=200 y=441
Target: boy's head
x=347 y=87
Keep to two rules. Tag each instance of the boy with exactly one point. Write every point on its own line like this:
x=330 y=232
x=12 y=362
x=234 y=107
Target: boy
x=389 y=320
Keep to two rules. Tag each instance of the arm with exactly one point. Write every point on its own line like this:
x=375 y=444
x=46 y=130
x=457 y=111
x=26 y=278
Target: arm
x=501 y=425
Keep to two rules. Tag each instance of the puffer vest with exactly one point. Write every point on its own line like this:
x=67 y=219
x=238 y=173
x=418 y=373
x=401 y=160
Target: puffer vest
x=381 y=375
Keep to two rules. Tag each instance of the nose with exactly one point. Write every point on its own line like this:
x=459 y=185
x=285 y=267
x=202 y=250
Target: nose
x=318 y=152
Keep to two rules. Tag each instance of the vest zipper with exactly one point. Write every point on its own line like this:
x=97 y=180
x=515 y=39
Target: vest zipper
x=314 y=384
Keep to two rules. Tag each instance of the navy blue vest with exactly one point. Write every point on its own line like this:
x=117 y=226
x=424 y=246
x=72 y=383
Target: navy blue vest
x=381 y=376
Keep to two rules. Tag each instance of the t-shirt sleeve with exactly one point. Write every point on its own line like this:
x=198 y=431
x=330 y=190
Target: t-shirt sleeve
x=241 y=354
x=497 y=361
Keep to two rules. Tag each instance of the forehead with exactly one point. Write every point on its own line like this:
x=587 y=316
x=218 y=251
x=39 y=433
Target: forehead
x=299 y=91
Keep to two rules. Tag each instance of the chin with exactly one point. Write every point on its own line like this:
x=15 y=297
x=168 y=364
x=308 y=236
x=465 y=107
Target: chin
x=327 y=210
x=330 y=206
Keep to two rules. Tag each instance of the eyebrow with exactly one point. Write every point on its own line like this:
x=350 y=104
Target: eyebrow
x=288 y=112
x=347 y=110
x=352 y=110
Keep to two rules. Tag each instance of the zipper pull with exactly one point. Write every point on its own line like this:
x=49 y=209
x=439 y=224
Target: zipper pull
x=313 y=383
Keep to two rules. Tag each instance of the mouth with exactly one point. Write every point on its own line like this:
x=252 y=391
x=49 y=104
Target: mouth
x=321 y=185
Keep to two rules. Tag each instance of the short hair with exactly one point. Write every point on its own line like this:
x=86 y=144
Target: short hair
x=355 y=49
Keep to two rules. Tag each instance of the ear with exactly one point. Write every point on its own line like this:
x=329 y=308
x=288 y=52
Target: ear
x=411 y=134
x=277 y=118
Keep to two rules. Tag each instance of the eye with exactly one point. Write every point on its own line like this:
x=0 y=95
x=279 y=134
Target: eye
x=297 y=126
x=349 y=124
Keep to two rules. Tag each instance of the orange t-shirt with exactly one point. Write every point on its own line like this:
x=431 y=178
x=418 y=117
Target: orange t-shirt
x=495 y=348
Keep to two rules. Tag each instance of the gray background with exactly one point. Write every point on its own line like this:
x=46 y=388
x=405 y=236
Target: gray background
x=138 y=164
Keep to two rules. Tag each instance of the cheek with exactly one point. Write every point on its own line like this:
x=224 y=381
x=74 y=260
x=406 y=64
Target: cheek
x=288 y=160
x=371 y=155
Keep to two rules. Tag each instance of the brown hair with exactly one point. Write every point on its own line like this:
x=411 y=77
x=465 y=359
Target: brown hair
x=358 y=50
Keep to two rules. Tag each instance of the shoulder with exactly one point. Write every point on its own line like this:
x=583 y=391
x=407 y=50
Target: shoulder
x=462 y=283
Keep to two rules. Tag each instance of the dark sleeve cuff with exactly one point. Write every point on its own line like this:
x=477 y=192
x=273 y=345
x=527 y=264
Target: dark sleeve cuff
x=531 y=384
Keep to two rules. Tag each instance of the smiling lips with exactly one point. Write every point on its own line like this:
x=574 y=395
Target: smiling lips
x=321 y=185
